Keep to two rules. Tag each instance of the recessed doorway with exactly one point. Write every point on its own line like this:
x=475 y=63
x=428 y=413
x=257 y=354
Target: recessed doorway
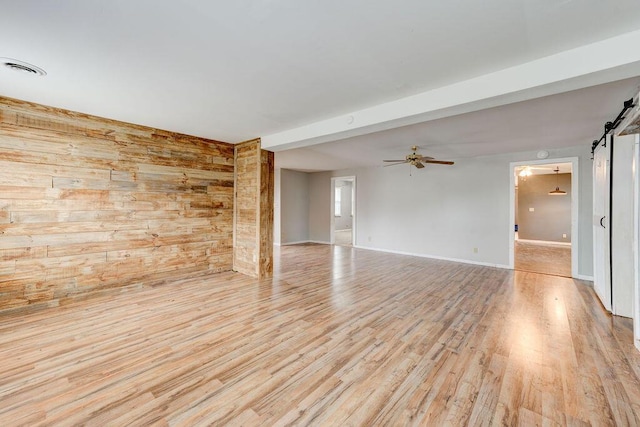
x=343 y=211
x=544 y=218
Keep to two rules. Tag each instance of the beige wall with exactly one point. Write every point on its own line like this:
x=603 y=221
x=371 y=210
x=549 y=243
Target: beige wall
x=551 y=215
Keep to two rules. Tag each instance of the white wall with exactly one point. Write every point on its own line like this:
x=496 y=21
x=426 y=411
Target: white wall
x=294 y=206
x=444 y=211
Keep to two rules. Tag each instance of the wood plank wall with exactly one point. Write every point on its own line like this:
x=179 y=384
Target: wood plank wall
x=253 y=245
x=88 y=203
x=265 y=238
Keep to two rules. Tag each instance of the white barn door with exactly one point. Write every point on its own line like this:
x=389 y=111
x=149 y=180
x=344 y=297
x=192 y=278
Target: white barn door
x=622 y=225
x=601 y=223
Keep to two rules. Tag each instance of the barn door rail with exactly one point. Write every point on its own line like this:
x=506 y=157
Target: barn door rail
x=609 y=126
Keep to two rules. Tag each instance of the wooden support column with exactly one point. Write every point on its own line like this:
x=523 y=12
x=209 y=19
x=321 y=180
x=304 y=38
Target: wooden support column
x=253 y=219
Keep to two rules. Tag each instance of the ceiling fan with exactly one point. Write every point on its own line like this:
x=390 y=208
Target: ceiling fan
x=417 y=160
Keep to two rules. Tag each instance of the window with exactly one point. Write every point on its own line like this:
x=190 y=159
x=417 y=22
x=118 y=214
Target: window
x=338 y=202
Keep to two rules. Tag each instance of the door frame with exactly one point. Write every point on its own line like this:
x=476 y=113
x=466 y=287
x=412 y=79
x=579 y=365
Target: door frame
x=332 y=235
x=636 y=242
x=575 y=195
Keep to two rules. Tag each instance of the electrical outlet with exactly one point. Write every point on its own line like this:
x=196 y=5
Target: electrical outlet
x=475 y=250
x=531 y=209
x=369 y=238
x=564 y=235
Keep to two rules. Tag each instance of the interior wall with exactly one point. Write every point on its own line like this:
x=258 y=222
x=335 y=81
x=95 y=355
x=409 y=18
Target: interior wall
x=253 y=222
x=294 y=206
x=88 y=203
x=320 y=206
x=445 y=211
x=551 y=215
x=344 y=221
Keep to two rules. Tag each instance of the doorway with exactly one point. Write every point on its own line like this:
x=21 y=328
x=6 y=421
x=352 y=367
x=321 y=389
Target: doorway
x=544 y=217
x=343 y=209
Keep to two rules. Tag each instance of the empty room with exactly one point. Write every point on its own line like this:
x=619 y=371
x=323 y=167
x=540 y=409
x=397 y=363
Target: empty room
x=280 y=213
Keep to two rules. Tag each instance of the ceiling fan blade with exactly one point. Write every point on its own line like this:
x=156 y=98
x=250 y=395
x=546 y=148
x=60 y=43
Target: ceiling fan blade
x=439 y=162
x=418 y=165
x=403 y=160
x=421 y=157
x=395 y=164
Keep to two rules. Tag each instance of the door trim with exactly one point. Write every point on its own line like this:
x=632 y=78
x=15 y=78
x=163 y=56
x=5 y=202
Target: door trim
x=636 y=242
x=575 y=218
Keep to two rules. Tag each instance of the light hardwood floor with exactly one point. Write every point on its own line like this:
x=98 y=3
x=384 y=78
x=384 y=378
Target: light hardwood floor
x=340 y=336
x=539 y=257
x=342 y=237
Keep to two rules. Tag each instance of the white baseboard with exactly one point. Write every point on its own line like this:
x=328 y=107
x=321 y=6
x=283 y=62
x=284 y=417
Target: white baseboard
x=300 y=242
x=463 y=261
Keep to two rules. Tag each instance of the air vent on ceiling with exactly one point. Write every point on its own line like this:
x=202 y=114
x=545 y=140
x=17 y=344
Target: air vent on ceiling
x=22 y=67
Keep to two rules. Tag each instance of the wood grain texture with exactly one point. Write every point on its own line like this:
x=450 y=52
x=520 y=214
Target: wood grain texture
x=265 y=237
x=546 y=258
x=339 y=336
x=88 y=204
x=253 y=225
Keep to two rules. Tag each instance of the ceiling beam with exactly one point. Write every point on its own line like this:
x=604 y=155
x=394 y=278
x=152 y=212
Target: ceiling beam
x=597 y=63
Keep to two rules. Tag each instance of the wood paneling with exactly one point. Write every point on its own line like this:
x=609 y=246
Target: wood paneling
x=253 y=237
x=339 y=337
x=266 y=201
x=88 y=204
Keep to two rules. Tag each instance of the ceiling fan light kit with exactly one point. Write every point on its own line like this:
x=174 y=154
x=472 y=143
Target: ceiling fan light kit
x=417 y=160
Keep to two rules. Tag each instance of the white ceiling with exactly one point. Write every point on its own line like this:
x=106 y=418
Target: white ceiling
x=235 y=70
x=563 y=120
